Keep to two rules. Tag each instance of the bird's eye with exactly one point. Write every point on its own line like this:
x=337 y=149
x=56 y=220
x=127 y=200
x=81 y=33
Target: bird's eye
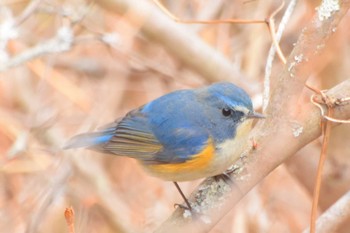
x=226 y=112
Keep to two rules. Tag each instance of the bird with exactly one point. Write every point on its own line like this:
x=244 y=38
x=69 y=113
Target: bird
x=181 y=136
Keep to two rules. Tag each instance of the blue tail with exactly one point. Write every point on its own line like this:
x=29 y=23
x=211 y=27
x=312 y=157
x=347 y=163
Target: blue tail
x=90 y=140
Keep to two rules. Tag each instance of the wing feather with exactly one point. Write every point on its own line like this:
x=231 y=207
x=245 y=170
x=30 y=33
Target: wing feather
x=133 y=137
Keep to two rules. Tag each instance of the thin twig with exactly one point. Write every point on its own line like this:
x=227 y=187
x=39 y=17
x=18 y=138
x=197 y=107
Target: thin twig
x=327 y=101
x=272 y=51
x=272 y=29
x=336 y=120
x=325 y=116
x=326 y=132
x=334 y=216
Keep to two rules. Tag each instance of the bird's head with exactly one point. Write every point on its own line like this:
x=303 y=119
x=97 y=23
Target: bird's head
x=229 y=110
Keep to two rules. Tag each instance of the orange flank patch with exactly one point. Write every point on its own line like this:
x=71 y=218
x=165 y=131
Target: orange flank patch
x=198 y=163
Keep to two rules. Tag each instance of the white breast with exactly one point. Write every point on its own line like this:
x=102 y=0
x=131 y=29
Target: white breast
x=230 y=150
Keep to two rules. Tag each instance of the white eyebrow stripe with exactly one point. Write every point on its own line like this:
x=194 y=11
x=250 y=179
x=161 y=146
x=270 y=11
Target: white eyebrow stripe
x=241 y=109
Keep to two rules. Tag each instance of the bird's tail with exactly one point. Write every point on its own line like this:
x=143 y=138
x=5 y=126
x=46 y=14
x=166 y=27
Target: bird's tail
x=90 y=140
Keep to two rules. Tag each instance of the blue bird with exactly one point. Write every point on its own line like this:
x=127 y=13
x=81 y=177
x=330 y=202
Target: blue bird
x=184 y=135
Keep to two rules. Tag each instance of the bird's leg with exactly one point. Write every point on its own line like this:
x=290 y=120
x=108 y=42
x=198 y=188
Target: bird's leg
x=184 y=197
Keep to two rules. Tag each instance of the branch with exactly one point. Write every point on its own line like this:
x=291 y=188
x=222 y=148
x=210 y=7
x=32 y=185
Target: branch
x=292 y=123
x=62 y=42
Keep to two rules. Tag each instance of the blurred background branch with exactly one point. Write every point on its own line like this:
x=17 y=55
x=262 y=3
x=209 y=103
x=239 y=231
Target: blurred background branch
x=181 y=42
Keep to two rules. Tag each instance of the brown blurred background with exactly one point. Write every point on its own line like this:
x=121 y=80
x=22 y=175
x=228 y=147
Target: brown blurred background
x=118 y=56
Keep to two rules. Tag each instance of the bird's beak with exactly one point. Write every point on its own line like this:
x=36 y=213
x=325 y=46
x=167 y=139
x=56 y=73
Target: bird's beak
x=255 y=115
